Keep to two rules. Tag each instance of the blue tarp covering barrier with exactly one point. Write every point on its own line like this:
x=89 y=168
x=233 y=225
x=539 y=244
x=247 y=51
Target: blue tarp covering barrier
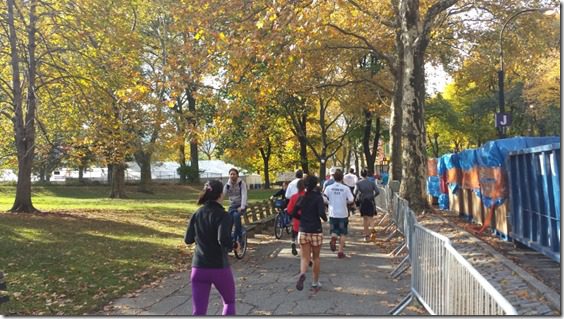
x=443 y=201
x=483 y=170
x=433 y=186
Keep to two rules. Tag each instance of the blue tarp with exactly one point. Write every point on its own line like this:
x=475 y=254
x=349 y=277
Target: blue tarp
x=433 y=186
x=446 y=162
x=443 y=201
x=494 y=153
x=468 y=159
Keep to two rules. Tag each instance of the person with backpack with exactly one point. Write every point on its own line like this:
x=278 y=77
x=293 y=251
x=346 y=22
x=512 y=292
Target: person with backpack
x=210 y=230
x=366 y=191
x=236 y=190
x=310 y=210
x=338 y=197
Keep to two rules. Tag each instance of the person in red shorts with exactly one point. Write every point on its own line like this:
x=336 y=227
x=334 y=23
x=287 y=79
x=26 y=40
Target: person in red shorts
x=295 y=221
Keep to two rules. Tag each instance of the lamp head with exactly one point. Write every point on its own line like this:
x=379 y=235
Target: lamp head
x=549 y=11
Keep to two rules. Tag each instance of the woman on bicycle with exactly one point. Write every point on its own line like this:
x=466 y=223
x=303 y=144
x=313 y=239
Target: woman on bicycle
x=210 y=229
x=236 y=190
x=295 y=221
x=310 y=236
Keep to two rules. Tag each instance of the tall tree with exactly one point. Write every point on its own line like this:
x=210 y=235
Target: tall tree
x=23 y=116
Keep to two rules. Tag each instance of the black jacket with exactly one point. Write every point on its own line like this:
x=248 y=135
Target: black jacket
x=313 y=209
x=210 y=228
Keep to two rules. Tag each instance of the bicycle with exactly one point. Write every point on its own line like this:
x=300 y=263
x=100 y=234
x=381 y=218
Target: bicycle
x=282 y=219
x=239 y=244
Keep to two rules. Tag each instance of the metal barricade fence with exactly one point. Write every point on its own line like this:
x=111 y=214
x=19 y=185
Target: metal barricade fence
x=443 y=281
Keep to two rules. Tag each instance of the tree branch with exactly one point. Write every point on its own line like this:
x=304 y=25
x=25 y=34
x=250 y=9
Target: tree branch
x=373 y=15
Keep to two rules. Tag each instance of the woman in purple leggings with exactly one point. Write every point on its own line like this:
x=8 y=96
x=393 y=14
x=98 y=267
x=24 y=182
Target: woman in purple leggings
x=210 y=228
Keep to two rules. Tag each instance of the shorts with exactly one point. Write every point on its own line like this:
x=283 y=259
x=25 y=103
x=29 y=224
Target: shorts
x=367 y=208
x=339 y=226
x=313 y=239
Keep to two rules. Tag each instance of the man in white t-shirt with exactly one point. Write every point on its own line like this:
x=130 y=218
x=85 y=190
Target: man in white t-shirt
x=338 y=196
x=293 y=186
x=350 y=179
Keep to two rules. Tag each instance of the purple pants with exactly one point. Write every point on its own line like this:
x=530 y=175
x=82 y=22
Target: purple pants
x=222 y=279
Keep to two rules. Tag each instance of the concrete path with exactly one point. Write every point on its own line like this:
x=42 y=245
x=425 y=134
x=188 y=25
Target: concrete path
x=357 y=285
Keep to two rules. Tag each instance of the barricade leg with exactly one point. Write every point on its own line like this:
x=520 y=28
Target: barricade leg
x=390 y=236
x=399 y=270
x=399 y=308
x=398 y=249
x=384 y=216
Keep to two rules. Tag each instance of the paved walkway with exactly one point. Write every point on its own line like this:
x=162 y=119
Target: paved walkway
x=357 y=285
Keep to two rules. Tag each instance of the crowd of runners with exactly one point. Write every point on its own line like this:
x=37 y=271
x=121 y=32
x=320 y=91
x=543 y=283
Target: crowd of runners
x=309 y=202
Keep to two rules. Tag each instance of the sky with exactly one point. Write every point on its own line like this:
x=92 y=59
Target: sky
x=436 y=79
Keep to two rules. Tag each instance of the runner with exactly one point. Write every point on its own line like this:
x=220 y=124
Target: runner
x=365 y=191
x=210 y=229
x=295 y=221
x=310 y=236
x=338 y=196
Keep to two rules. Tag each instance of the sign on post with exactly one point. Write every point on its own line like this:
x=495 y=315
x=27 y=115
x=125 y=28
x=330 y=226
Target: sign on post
x=502 y=119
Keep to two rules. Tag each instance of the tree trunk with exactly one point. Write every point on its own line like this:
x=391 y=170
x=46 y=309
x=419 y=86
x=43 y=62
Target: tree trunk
x=182 y=162
x=412 y=186
x=396 y=115
x=24 y=128
x=110 y=173
x=265 y=154
x=356 y=162
x=42 y=171
x=118 y=181
x=81 y=174
x=143 y=159
x=302 y=139
x=192 y=125
x=322 y=171
x=369 y=155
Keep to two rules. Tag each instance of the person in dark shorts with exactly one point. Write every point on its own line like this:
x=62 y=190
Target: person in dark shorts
x=366 y=191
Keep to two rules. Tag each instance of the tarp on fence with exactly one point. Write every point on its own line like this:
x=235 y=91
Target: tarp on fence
x=483 y=170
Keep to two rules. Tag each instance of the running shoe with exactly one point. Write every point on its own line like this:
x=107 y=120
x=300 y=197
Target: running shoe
x=294 y=250
x=333 y=243
x=300 y=283
x=316 y=286
x=341 y=255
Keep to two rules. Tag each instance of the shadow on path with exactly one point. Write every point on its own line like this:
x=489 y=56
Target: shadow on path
x=357 y=285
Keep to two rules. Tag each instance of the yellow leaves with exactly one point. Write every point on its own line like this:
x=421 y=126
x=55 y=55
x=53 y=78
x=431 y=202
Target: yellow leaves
x=222 y=36
x=199 y=35
x=260 y=24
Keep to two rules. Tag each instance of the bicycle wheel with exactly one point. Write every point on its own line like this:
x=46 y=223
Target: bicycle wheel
x=242 y=250
x=288 y=224
x=278 y=225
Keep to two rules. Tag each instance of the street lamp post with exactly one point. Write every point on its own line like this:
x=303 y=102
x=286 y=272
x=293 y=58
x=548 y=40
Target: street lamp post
x=501 y=72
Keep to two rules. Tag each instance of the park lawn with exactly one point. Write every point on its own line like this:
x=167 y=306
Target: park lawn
x=84 y=249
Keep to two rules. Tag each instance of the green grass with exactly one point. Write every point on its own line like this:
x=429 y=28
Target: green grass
x=85 y=249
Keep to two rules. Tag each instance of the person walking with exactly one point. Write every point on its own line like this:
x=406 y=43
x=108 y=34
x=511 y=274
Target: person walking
x=236 y=190
x=310 y=234
x=293 y=186
x=338 y=197
x=290 y=210
x=365 y=191
x=350 y=179
x=210 y=229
